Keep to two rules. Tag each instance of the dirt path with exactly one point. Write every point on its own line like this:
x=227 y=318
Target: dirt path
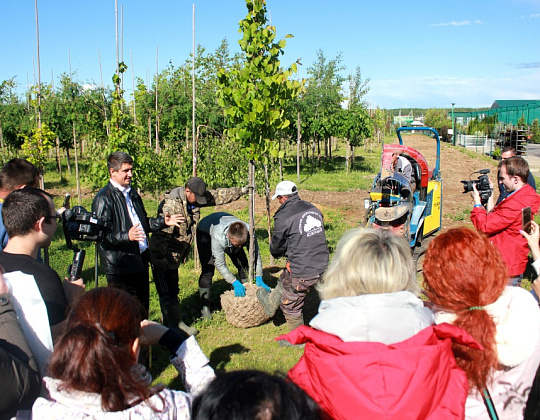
x=456 y=166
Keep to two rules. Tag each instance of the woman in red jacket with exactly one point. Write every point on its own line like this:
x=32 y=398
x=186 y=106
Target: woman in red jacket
x=372 y=351
x=466 y=278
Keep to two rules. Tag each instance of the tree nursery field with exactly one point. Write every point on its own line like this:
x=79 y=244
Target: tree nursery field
x=339 y=195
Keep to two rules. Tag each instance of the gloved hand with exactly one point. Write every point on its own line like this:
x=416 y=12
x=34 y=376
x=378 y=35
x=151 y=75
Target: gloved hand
x=239 y=288
x=259 y=282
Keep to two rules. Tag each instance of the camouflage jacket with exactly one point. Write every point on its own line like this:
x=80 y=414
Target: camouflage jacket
x=169 y=247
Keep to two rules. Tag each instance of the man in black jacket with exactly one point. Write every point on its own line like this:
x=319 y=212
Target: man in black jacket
x=299 y=236
x=124 y=248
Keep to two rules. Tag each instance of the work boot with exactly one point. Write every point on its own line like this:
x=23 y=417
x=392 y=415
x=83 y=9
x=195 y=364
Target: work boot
x=294 y=322
x=204 y=292
x=174 y=320
x=270 y=301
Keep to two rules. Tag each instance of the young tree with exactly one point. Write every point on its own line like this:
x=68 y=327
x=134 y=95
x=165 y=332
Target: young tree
x=535 y=131
x=255 y=95
x=437 y=118
x=13 y=116
x=322 y=100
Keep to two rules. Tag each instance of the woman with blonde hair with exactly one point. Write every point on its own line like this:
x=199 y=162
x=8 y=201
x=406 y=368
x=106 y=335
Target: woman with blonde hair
x=372 y=351
x=466 y=278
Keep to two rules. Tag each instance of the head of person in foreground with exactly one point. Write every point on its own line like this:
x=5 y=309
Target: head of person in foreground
x=369 y=261
x=98 y=351
x=251 y=394
x=464 y=273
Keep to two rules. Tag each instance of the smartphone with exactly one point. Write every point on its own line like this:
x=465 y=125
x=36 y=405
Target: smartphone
x=526 y=218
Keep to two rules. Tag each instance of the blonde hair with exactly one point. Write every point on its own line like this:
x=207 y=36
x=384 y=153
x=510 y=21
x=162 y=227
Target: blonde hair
x=369 y=261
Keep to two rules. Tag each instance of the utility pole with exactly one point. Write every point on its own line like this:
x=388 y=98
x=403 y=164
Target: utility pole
x=453 y=128
x=193 y=101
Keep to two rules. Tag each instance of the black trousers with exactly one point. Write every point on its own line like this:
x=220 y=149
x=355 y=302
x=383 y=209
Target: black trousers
x=138 y=284
x=167 y=286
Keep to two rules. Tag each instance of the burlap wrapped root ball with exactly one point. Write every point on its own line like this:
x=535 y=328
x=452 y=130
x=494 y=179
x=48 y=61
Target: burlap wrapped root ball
x=243 y=312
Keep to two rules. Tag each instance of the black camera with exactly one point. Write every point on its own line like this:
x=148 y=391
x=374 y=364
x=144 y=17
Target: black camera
x=482 y=185
x=80 y=225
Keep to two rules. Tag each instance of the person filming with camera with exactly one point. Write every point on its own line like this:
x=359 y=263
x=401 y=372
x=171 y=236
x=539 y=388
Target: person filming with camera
x=502 y=223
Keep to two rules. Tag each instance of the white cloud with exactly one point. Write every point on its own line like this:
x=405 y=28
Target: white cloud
x=531 y=16
x=532 y=65
x=441 y=91
x=461 y=23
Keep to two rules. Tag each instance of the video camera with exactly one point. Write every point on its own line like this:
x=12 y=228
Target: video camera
x=79 y=225
x=482 y=185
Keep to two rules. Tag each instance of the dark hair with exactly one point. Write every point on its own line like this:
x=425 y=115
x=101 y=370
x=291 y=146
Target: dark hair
x=463 y=270
x=509 y=149
x=16 y=173
x=23 y=208
x=94 y=354
x=516 y=166
x=239 y=232
x=250 y=394
x=117 y=159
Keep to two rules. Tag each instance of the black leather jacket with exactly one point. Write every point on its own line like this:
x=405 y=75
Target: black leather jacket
x=119 y=255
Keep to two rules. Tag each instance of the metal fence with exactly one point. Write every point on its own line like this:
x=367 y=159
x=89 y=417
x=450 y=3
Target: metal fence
x=479 y=144
x=506 y=114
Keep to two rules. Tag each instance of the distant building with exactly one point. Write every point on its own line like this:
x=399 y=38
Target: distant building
x=507 y=111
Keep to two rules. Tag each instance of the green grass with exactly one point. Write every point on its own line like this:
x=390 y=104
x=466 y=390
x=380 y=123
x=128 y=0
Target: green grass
x=228 y=347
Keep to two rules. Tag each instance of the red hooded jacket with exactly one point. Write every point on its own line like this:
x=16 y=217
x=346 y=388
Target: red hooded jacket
x=414 y=379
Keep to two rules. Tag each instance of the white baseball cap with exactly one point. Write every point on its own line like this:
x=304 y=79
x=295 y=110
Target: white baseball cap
x=285 y=188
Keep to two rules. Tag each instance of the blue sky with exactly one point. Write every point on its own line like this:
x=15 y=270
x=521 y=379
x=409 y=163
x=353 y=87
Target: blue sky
x=415 y=53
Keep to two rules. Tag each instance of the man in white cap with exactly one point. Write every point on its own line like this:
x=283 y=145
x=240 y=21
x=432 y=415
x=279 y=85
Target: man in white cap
x=299 y=236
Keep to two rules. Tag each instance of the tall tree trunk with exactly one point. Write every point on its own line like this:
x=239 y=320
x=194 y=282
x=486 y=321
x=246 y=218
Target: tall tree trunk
x=157 y=114
x=1 y=139
x=149 y=131
x=251 y=181
x=67 y=160
x=267 y=196
x=348 y=158
x=76 y=167
x=318 y=153
x=58 y=157
x=298 y=146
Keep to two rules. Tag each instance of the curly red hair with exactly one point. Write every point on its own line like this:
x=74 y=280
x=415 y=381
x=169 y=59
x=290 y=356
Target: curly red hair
x=462 y=269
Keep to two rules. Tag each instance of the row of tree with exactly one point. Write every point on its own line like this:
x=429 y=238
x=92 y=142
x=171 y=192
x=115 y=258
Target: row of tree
x=247 y=105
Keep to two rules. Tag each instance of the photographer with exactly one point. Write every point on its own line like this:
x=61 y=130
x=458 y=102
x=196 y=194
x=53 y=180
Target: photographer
x=502 y=223
x=509 y=152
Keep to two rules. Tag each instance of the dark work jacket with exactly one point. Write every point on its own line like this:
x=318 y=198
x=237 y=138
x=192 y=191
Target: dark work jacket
x=117 y=253
x=299 y=235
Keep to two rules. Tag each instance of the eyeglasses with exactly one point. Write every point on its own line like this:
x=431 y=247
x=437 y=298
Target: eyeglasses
x=54 y=216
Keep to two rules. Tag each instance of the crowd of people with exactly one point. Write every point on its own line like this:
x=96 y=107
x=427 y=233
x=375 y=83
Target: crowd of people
x=467 y=345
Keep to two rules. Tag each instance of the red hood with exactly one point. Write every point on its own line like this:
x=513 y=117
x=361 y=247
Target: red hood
x=415 y=378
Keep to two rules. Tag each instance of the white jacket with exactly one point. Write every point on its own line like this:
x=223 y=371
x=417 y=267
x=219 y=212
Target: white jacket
x=190 y=362
x=386 y=317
